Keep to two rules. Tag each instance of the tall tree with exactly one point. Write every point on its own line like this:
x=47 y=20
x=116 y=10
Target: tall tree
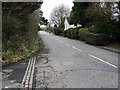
x=19 y=9
x=43 y=21
x=78 y=13
x=100 y=12
x=58 y=15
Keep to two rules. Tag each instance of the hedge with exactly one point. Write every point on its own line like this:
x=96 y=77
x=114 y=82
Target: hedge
x=68 y=33
x=97 y=39
x=76 y=33
x=64 y=33
x=72 y=33
x=57 y=31
x=86 y=35
x=82 y=33
x=109 y=28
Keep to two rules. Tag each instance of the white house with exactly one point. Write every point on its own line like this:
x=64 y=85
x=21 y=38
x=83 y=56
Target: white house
x=67 y=26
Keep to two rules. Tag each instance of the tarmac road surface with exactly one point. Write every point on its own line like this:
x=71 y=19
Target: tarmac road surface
x=64 y=63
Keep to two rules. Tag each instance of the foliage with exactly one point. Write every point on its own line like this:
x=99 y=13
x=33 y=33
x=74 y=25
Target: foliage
x=57 y=31
x=49 y=28
x=76 y=33
x=99 y=12
x=64 y=33
x=68 y=33
x=19 y=9
x=78 y=13
x=43 y=21
x=91 y=29
x=88 y=35
x=19 y=30
x=109 y=28
x=97 y=39
x=58 y=15
x=72 y=33
x=83 y=33
x=11 y=26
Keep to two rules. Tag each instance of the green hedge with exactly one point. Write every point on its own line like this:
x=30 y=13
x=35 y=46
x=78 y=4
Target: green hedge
x=82 y=33
x=109 y=28
x=57 y=31
x=76 y=33
x=86 y=35
x=64 y=33
x=68 y=33
x=72 y=33
x=97 y=39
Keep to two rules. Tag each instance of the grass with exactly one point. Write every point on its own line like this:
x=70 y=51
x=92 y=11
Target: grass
x=11 y=58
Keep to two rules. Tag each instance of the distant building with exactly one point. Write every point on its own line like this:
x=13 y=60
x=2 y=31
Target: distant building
x=67 y=26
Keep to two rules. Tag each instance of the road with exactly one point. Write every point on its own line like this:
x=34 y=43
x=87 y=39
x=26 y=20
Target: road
x=65 y=63
x=74 y=64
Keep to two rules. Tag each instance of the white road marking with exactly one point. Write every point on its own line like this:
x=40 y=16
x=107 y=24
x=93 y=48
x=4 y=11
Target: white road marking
x=67 y=44
x=76 y=48
x=28 y=77
x=103 y=61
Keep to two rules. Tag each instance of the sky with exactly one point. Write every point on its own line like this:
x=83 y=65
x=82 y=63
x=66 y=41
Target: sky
x=48 y=6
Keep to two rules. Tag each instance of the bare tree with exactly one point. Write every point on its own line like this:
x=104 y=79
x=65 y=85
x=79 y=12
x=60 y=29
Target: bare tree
x=58 y=15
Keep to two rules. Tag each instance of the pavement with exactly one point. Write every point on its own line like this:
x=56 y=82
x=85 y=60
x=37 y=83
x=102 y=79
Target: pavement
x=66 y=63
x=111 y=49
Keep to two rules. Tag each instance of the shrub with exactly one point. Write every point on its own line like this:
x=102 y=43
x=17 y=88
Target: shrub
x=64 y=33
x=72 y=33
x=91 y=29
x=68 y=33
x=76 y=33
x=57 y=31
x=82 y=33
x=109 y=28
x=10 y=26
x=97 y=39
x=18 y=37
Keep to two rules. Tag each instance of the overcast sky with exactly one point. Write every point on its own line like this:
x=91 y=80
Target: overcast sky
x=48 y=6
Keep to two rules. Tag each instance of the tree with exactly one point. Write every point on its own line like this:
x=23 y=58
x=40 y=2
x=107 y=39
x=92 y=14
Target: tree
x=118 y=9
x=19 y=29
x=100 y=12
x=78 y=13
x=58 y=15
x=43 y=21
x=19 y=9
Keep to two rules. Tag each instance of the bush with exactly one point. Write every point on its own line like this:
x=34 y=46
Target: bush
x=76 y=33
x=72 y=33
x=10 y=26
x=82 y=33
x=64 y=33
x=109 y=28
x=68 y=33
x=91 y=29
x=18 y=38
x=57 y=31
x=97 y=39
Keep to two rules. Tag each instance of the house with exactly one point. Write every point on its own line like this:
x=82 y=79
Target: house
x=67 y=26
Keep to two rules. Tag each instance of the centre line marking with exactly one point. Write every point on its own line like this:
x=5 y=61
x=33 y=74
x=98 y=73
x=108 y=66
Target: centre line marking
x=67 y=44
x=103 y=61
x=76 y=48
